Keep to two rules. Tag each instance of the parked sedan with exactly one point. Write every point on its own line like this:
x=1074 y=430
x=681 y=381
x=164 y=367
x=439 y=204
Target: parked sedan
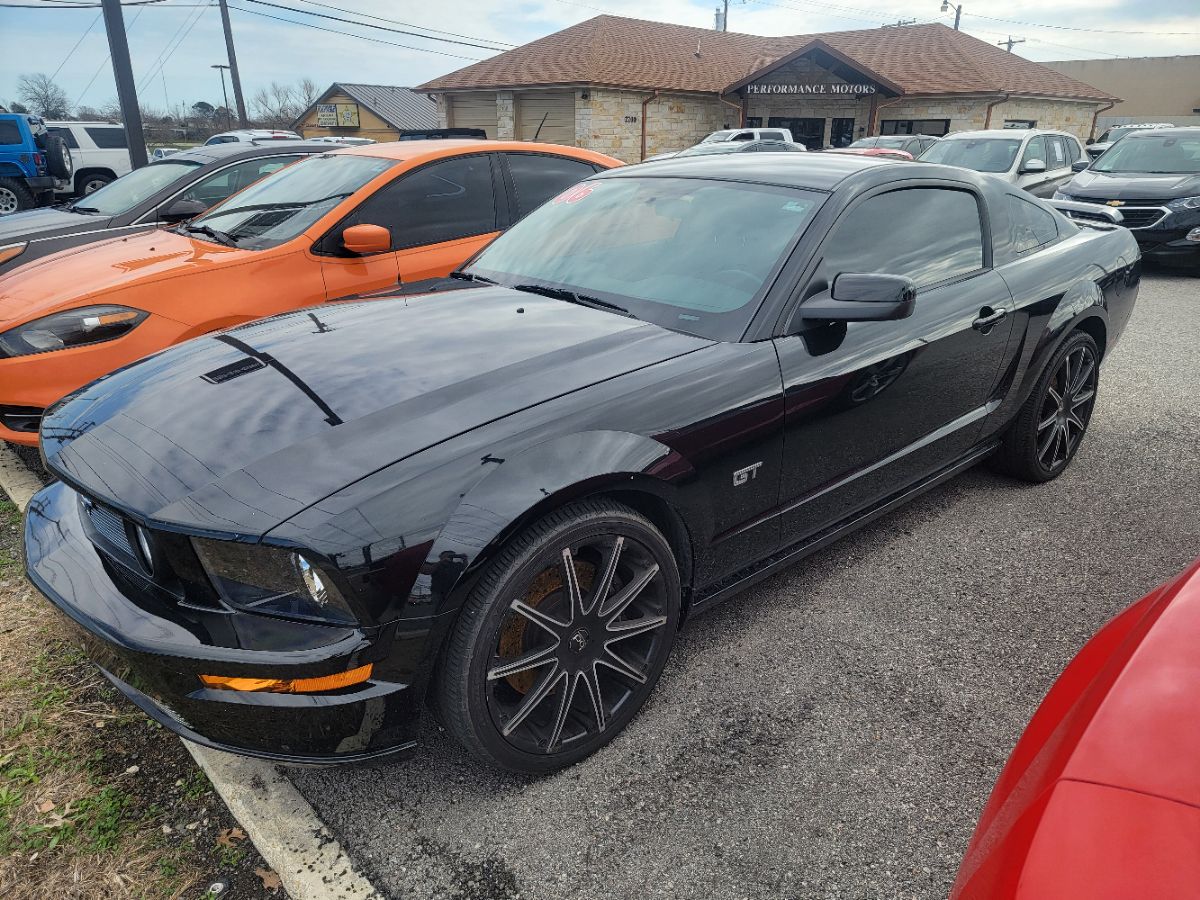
x=1101 y=796
x=162 y=193
x=1153 y=178
x=1036 y=161
x=725 y=147
x=653 y=391
x=344 y=222
x=913 y=144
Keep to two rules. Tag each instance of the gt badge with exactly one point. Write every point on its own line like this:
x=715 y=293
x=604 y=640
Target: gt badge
x=741 y=476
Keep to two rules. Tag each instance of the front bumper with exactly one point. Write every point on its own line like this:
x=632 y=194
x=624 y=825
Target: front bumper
x=154 y=652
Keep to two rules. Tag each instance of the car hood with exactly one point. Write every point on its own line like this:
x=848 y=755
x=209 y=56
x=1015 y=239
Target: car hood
x=1093 y=185
x=46 y=222
x=80 y=275
x=196 y=437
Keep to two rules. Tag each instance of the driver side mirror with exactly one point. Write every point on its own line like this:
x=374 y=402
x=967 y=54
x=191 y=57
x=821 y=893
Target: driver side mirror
x=1034 y=167
x=181 y=210
x=863 y=298
x=1080 y=165
x=367 y=239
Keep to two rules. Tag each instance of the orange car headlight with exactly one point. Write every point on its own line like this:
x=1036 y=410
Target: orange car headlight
x=12 y=251
x=70 y=328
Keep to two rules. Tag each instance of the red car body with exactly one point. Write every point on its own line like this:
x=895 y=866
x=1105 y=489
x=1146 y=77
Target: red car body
x=1101 y=796
x=885 y=152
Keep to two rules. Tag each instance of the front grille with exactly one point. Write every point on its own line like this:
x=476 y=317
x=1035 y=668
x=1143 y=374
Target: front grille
x=111 y=527
x=1132 y=216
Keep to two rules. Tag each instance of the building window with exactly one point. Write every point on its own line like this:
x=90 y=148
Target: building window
x=1020 y=123
x=934 y=127
x=754 y=121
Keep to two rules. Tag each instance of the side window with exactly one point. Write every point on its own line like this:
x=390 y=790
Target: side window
x=942 y=236
x=743 y=136
x=773 y=135
x=1058 y=153
x=10 y=132
x=439 y=202
x=66 y=134
x=1074 y=151
x=108 y=138
x=219 y=185
x=1031 y=226
x=1035 y=149
x=537 y=177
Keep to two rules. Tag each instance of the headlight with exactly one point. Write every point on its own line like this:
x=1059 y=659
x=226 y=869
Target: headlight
x=72 y=328
x=1059 y=195
x=12 y=251
x=272 y=581
x=1185 y=203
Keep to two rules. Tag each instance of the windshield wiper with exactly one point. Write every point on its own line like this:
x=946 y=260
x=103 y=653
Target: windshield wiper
x=572 y=297
x=220 y=237
x=83 y=209
x=467 y=276
x=290 y=204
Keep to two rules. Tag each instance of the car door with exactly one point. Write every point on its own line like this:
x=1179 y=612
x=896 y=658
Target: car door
x=871 y=407
x=1058 y=162
x=1039 y=184
x=438 y=214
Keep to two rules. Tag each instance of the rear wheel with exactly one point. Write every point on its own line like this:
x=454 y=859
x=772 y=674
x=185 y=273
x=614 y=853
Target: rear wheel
x=1046 y=434
x=91 y=181
x=14 y=197
x=562 y=640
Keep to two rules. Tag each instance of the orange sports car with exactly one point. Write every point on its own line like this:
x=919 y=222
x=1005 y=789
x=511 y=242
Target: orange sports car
x=327 y=227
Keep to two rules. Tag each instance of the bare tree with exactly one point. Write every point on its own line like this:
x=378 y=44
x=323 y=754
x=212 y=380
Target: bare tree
x=279 y=105
x=43 y=95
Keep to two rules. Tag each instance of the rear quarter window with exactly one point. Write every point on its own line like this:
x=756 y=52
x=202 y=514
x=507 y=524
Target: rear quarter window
x=66 y=134
x=1031 y=226
x=108 y=138
x=10 y=133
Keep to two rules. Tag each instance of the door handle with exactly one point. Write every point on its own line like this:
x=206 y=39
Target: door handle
x=987 y=318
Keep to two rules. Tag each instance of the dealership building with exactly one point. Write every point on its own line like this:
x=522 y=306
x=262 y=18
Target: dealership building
x=633 y=88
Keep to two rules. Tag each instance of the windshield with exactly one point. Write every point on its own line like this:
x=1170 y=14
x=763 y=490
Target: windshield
x=129 y=190
x=1164 y=154
x=285 y=203
x=892 y=143
x=688 y=254
x=980 y=154
x=717 y=136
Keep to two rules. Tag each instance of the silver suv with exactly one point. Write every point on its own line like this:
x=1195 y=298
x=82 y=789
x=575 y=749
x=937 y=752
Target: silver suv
x=1035 y=160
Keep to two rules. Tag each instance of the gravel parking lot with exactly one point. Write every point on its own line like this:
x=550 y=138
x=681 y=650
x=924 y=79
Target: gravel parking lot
x=834 y=732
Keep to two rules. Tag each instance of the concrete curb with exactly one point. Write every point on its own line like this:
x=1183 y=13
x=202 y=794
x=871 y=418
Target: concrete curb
x=282 y=824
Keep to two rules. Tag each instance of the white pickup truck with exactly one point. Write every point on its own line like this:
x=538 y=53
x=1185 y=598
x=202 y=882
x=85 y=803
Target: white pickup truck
x=99 y=151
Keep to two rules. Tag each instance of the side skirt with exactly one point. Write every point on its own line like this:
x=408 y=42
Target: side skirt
x=796 y=552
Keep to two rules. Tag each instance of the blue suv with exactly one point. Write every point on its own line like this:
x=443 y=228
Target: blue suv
x=33 y=163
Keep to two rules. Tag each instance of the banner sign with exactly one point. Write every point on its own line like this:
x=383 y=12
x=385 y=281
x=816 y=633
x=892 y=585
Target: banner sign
x=811 y=90
x=337 y=115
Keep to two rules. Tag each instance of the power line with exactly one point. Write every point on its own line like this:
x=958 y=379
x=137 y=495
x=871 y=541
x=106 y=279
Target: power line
x=1090 y=30
x=426 y=37
x=107 y=57
x=168 y=51
x=361 y=37
x=71 y=52
x=364 y=15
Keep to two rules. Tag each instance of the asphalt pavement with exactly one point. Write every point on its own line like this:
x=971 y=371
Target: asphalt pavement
x=835 y=731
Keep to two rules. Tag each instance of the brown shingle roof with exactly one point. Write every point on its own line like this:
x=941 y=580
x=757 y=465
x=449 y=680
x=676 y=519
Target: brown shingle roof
x=633 y=53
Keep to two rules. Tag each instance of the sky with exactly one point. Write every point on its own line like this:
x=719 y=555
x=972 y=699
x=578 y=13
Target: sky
x=174 y=43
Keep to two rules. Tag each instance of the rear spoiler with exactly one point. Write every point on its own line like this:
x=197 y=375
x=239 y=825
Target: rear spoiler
x=1088 y=213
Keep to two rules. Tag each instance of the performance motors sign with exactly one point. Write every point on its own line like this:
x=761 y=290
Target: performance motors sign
x=801 y=89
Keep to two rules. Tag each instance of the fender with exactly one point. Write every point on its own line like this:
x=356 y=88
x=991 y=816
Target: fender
x=540 y=478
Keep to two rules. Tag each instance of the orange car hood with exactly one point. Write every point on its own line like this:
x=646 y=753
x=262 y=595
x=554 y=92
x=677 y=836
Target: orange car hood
x=75 y=277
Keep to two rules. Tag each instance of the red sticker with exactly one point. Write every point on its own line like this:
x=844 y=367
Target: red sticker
x=574 y=194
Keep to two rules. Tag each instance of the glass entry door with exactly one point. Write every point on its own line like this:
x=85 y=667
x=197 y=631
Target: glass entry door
x=809 y=132
x=841 y=132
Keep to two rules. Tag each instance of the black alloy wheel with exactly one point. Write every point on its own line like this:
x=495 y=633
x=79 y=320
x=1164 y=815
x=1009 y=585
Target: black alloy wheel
x=1047 y=432
x=563 y=639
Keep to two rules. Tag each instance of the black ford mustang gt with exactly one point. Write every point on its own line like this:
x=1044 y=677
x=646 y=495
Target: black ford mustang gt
x=659 y=387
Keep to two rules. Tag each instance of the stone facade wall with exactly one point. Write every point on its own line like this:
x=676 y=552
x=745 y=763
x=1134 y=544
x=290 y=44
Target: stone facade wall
x=970 y=114
x=506 y=118
x=609 y=121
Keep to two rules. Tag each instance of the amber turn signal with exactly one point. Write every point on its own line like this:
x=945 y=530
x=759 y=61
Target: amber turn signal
x=290 y=685
x=12 y=251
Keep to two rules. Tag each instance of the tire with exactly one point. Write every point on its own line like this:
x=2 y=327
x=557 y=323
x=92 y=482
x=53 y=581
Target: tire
x=58 y=156
x=91 y=181
x=1043 y=439
x=532 y=681
x=14 y=197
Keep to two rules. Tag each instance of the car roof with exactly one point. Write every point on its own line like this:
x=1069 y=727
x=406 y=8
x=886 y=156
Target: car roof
x=818 y=171
x=243 y=150
x=999 y=133
x=409 y=150
x=1145 y=134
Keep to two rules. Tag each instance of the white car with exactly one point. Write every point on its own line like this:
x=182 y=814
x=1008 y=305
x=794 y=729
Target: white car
x=1034 y=160
x=99 y=151
x=749 y=134
x=253 y=134
x=344 y=141
x=163 y=153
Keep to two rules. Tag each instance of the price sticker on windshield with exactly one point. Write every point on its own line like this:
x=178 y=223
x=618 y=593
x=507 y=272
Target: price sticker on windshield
x=574 y=194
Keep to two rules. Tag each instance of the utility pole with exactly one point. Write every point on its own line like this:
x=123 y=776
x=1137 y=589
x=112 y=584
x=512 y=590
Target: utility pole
x=1008 y=45
x=224 y=95
x=131 y=115
x=233 y=68
x=725 y=17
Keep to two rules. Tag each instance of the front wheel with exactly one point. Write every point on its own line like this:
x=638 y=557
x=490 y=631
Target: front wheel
x=562 y=640
x=1048 y=430
x=14 y=197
